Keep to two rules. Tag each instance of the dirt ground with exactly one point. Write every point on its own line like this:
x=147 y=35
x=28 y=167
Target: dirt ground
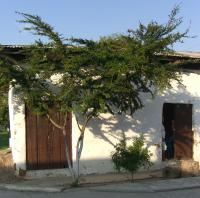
x=6 y=167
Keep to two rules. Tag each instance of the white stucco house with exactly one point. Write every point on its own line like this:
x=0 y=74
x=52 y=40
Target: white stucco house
x=181 y=101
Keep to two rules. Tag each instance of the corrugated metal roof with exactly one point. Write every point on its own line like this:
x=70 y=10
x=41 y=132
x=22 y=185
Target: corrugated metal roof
x=15 y=46
x=189 y=54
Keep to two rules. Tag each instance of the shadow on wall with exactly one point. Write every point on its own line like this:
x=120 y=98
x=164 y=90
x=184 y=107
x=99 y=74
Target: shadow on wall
x=17 y=100
x=148 y=120
x=88 y=167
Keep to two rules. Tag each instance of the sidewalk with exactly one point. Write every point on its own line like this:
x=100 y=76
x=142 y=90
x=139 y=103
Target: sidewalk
x=152 y=186
x=58 y=184
x=113 y=182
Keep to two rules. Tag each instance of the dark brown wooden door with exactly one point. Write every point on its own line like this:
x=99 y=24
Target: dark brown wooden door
x=183 y=139
x=45 y=143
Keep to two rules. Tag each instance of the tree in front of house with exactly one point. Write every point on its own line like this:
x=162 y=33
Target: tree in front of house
x=92 y=77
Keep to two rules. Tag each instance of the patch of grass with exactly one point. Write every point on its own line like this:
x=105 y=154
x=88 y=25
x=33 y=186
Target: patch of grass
x=4 y=140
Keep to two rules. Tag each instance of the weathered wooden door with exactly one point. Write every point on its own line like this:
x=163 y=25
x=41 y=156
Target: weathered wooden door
x=183 y=140
x=45 y=143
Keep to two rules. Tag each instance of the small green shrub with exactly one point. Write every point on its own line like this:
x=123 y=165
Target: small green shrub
x=131 y=158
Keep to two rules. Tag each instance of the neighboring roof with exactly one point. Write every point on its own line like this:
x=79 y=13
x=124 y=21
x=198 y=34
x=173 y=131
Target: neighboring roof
x=188 y=54
x=191 y=59
x=14 y=51
x=15 y=46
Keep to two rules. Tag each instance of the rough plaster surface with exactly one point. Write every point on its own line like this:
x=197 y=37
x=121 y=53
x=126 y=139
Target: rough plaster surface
x=103 y=133
x=18 y=129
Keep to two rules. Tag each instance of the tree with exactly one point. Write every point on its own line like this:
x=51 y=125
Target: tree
x=5 y=77
x=133 y=157
x=94 y=76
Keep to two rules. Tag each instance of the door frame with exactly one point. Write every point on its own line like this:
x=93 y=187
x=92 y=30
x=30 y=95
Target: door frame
x=178 y=132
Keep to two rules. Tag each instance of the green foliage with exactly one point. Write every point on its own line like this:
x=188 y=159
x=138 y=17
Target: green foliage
x=107 y=75
x=95 y=76
x=4 y=122
x=4 y=140
x=75 y=184
x=133 y=157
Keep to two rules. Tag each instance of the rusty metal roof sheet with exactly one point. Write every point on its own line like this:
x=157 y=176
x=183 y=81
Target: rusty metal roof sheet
x=189 y=54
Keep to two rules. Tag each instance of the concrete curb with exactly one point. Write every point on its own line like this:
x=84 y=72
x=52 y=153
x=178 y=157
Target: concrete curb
x=165 y=189
x=124 y=190
x=147 y=187
x=144 y=190
x=140 y=187
x=31 y=188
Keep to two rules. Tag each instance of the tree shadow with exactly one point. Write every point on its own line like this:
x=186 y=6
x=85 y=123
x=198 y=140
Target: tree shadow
x=148 y=120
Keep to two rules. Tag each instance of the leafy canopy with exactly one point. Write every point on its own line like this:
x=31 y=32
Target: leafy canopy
x=89 y=76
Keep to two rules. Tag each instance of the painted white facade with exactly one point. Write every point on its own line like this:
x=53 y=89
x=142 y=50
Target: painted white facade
x=17 y=129
x=103 y=133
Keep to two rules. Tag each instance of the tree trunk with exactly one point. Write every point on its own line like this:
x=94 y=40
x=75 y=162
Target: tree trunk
x=79 y=148
x=132 y=177
x=63 y=128
x=79 y=145
x=73 y=174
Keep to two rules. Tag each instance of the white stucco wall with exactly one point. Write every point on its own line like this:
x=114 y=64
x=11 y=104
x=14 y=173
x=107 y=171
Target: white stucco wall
x=17 y=129
x=103 y=133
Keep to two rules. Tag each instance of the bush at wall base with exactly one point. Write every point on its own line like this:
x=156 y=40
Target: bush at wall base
x=131 y=158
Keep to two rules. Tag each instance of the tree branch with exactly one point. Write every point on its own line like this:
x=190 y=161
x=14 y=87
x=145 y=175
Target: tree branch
x=78 y=123
x=85 y=124
x=54 y=123
x=12 y=60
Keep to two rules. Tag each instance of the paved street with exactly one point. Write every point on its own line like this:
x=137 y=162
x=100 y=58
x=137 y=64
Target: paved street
x=88 y=193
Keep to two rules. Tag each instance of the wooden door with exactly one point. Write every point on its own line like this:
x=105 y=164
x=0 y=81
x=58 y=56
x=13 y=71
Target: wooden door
x=183 y=139
x=45 y=147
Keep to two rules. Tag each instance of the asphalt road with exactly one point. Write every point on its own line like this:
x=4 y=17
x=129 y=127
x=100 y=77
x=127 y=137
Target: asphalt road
x=87 y=193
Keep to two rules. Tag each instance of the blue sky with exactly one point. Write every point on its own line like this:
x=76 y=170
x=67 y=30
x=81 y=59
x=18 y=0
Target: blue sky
x=93 y=18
